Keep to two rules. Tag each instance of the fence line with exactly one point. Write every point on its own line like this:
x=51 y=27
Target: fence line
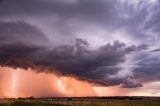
x=102 y=102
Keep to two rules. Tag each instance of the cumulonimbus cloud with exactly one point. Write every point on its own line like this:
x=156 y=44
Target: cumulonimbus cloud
x=25 y=46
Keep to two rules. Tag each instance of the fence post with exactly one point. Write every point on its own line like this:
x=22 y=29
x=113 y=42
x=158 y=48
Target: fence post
x=131 y=102
x=67 y=101
x=58 y=100
x=91 y=102
x=81 y=102
x=107 y=102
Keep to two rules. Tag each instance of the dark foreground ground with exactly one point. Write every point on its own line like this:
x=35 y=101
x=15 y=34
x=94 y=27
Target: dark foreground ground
x=83 y=101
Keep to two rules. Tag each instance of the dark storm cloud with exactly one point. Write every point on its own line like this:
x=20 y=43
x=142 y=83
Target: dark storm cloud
x=19 y=39
x=20 y=49
x=21 y=32
x=141 y=20
x=24 y=45
x=136 y=19
x=153 y=23
x=148 y=67
x=156 y=50
x=63 y=19
x=129 y=84
x=103 y=12
x=85 y=9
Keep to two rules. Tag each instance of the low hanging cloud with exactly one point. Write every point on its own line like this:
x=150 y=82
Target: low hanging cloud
x=77 y=59
x=55 y=39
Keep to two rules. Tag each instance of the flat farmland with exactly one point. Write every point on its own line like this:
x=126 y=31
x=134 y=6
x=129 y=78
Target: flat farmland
x=71 y=101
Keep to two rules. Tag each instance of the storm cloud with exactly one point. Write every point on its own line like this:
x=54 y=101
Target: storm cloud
x=106 y=42
x=75 y=60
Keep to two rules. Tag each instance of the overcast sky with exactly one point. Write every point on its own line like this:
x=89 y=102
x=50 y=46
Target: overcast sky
x=105 y=42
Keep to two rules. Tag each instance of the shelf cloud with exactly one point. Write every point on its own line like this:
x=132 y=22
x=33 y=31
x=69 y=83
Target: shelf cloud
x=105 y=42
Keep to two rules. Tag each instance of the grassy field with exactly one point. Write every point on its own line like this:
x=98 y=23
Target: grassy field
x=27 y=103
x=79 y=102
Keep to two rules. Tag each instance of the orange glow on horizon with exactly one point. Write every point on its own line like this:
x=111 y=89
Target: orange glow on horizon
x=25 y=83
